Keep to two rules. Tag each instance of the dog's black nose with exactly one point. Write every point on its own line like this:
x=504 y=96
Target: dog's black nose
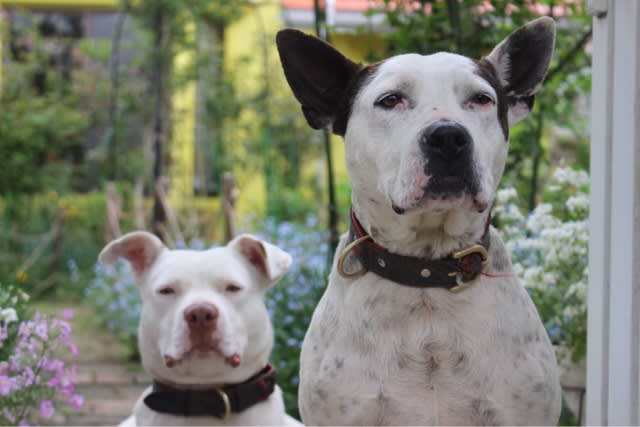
x=445 y=139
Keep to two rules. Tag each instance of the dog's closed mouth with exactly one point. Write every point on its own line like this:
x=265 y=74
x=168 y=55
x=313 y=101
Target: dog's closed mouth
x=449 y=185
x=233 y=360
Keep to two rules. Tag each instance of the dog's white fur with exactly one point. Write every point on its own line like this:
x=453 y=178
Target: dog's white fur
x=243 y=329
x=377 y=353
x=389 y=150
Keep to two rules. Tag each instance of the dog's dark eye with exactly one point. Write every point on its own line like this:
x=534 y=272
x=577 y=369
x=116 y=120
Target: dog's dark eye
x=168 y=290
x=481 y=99
x=390 y=101
x=231 y=288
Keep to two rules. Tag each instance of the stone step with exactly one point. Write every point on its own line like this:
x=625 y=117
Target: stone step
x=104 y=405
x=110 y=373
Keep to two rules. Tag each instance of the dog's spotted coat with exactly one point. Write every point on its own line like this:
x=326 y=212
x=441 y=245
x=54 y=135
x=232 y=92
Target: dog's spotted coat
x=377 y=353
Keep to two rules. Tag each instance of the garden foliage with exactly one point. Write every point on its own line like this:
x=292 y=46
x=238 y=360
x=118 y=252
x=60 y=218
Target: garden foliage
x=39 y=132
x=292 y=300
x=34 y=379
x=549 y=248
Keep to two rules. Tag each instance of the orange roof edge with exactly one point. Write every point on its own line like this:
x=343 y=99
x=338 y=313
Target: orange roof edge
x=341 y=5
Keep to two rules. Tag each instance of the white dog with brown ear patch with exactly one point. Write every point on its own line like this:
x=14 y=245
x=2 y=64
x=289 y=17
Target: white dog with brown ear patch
x=423 y=321
x=205 y=335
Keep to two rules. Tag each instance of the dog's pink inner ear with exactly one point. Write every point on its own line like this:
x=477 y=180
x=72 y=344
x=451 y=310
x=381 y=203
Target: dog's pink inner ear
x=137 y=257
x=257 y=256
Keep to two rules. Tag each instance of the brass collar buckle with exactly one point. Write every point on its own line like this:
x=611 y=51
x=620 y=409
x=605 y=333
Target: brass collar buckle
x=343 y=256
x=226 y=401
x=458 y=255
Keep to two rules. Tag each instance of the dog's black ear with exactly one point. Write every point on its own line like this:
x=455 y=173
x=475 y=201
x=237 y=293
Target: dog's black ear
x=521 y=62
x=318 y=75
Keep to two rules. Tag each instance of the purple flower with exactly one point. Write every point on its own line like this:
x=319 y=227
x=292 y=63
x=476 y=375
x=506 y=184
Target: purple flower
x=53 y=381
x=64 y=327
x=46 y=409
x=5 y=385
x=41 y=330
x=67 y=314
x=28 y=376
x=8 y=415
x=52 y=365
x=73 y=349
x=25 y=329
x=76 y=401
x=66 y=387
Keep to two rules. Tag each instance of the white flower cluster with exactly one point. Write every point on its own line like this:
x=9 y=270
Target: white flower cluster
x=549 y=247
x=8 y=315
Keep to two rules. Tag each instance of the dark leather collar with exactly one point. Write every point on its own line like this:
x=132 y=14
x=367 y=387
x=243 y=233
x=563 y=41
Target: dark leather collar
x=219 y=402
x=453 y=272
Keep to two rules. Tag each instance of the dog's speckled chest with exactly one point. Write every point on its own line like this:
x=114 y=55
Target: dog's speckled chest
x=386 y=354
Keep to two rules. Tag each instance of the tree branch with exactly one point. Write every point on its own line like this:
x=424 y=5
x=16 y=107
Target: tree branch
x=566 y=60
x=114 y=71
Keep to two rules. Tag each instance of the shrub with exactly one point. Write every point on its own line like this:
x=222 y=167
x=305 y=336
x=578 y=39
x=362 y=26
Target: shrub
x=114 y=292
x=41 y=234
x=292 y=300
x=33 y=379
x=549 y=247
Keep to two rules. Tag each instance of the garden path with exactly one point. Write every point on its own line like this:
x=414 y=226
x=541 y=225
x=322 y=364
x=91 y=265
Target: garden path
x=108 y=381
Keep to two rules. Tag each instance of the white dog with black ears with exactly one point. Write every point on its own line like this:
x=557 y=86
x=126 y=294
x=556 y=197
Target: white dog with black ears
x=423 y=321
x=205 y=335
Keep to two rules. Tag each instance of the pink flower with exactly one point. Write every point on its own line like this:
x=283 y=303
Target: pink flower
x=510 y=8
x=46 y=409
x=76 y=401
x=67 y=314
x=484 y=7
x=538 y=9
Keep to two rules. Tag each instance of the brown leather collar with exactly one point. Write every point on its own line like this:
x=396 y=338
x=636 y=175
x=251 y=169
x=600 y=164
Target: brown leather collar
x=219 y=402
x=453 y=272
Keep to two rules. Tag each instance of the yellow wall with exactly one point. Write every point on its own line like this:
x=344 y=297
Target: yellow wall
x=241 y=40
x=61 y=4
x=182 y=146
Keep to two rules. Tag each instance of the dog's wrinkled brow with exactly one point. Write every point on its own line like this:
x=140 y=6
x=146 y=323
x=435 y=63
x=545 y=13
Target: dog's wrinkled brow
x=488 y=73
x=346 y=106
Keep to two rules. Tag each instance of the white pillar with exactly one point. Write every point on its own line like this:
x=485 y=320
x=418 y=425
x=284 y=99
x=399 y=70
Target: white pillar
x=613 y=351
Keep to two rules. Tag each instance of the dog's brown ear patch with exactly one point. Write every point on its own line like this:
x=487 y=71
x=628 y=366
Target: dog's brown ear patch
x=318 y=75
